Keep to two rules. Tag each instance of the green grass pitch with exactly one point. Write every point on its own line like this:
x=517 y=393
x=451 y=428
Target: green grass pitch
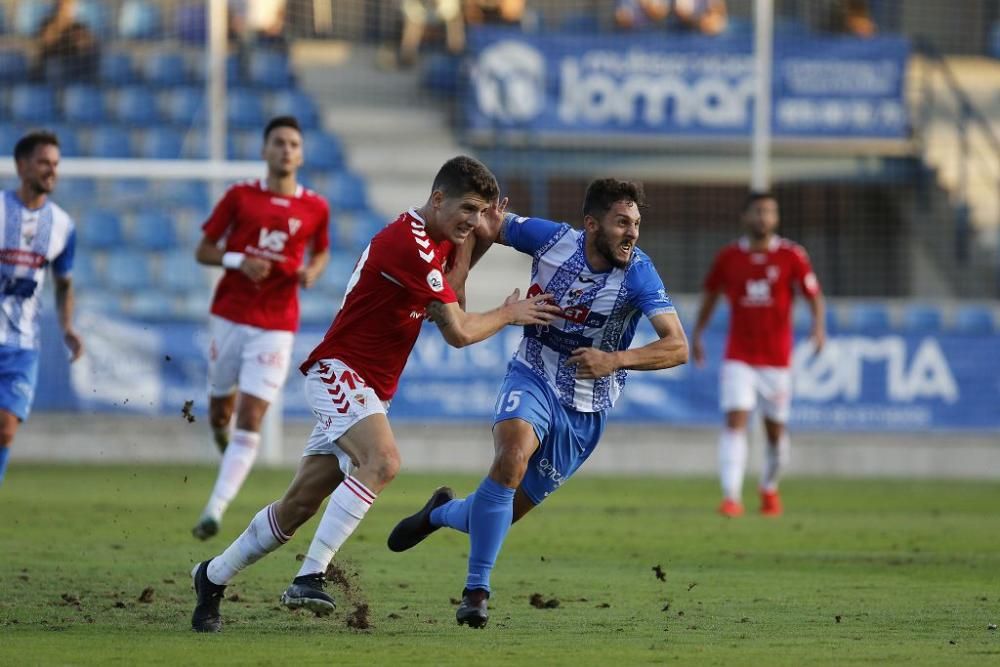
x=876 y=572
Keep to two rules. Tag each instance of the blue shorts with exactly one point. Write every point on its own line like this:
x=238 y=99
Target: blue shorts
x=567 y=437
x=18 y=377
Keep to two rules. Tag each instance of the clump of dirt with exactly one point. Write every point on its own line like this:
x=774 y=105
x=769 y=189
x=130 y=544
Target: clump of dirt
x=837 y=618
x=455 y=601
x=186 y=411
x=692 y=585
x=71 y=599
x=538 y=602
x=660 y=574
x=604 y=605
x=394 y=616
x=358 y=619
x=666 y=607
x=147 y=595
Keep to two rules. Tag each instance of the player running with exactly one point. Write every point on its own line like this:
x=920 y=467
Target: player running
x=259 y=232
x=565 y=376
x=36 y=234
x=353 y=373
x=758 y=274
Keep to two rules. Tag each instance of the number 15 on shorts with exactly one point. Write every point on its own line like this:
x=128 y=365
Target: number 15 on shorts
x=509 y=401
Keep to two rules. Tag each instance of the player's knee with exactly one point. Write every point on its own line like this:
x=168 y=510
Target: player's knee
x=510 y=465
x=386 y=467
x=219 y=418
x=7 y=432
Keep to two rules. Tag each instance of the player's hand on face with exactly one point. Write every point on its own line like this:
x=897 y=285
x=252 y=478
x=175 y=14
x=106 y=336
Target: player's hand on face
x=74 y=344
x=698 y=349
x=492 y=220
x=591 y=363
x=255 y=268
x=538 y=309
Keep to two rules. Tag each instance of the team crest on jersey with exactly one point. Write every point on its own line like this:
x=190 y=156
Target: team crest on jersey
x=534 y=290
x=435 y=280
x=773 y=272
x=575 y=294
x=294 y=225
x=359 y=399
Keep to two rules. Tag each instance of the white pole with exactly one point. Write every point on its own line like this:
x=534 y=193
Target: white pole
x=271 y=440
x=763 y=60
x=215 y=83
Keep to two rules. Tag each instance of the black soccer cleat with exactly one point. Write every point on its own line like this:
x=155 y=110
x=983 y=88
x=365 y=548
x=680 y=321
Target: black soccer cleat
x=205 y=528
x=206 y=616
x=306 y=592
x=412 y=530
x=472 y=611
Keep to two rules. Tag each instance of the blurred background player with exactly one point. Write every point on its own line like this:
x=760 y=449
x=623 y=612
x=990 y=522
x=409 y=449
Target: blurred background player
x=553 y=405
x=36 y=234
x=353 y=374
x=265 y=228
x=758 y=274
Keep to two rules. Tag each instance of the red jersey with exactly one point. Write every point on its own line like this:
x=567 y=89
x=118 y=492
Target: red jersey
x=398 y=275
x=760 y=289
x=260 y=223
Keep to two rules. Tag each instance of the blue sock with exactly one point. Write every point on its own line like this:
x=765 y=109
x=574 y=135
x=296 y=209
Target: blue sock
x=453 y=514
x=4 y=451
x=490 y=514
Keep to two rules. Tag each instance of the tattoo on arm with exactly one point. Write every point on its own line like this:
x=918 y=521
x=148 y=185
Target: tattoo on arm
x=438 y=314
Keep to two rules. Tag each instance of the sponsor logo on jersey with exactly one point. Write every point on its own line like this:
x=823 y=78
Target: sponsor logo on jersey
x=595 y=320
x=435 y=280
x=278 y=201
x=577 y=314
x=272 y=239
x=547 y=469
x=417 y=314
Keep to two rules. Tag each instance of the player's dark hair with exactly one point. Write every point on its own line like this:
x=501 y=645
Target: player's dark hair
x=754 y=197
x=604 y=192
x=462 y=175
x=27 y=144
x=281 y=121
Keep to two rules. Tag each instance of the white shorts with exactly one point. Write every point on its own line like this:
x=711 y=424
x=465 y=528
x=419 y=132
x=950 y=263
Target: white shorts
x=247 y=358
x=339 y=398
x=741 y=384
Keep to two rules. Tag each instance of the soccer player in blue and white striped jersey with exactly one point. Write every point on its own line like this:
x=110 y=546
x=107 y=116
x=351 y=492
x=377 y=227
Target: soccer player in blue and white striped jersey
x=34 y=234
x=564 y=377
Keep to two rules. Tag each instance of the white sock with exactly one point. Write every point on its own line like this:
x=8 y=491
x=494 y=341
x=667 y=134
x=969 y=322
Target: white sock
x=775 y=459
x=732 y=462
x=348 y=504
x=233 y=471
x=260 y=538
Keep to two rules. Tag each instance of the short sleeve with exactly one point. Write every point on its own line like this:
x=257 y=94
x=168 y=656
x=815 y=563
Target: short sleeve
x=63 y=263
x=529 y=234
x=804 y=274
x=650 y=296
x=222 y=216
x=416 y=267
x=321 y=237
x=715 y=281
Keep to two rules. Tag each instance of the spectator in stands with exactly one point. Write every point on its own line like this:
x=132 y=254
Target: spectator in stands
x=258 y=22
x=67 y=50
x=494 y=12
x=641 y=14
x=709 y=17
x=417 y=14
x=852 y=17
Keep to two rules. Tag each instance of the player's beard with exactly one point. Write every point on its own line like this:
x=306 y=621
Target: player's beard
x=603 y=246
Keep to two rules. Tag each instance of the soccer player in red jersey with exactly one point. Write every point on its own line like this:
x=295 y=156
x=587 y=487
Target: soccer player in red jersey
x=260 y=233
x=352 y=374
x=758 y=274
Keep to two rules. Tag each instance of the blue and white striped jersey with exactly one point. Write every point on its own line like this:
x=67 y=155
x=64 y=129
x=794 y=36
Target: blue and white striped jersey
x=30 y=240
x=601 y=309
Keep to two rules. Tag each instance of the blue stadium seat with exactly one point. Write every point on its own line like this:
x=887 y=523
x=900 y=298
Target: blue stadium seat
x=243 y=145
x=117 y=68
x=166 y=68
x=580 y=22
x=33 y=104
x=921 y=318
x=869 y=317
x=317 y=307
x=13 y=65
x=136 y=105
x=127 y=192
x=192 y=194
x=83 y=104
x=323 y=151
x=71 y=190
x=185 y=106
x=69 y=139
x=85 y=271
x=128 y=271
x=269 y=69
x=974 y=319
x=296 y=103
x=244 y=109
x=333 y=281
x=441 y=73
x=153 y=230
x=100 y=229
x=179 y=273
x=96 y=15
x=30 y=16
x=110 y=141
x=347 y=192
x=802 y=317
x=9 y=136
x=139 y=19
x=161 y=143
x=357 y=230
x=191 y=23
x=149 y=305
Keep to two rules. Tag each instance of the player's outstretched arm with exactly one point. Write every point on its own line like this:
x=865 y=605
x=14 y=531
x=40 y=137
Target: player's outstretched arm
x=708 y=302
x=210 y=254
x=460 y=328
x=671 y=349
x=65 y=302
